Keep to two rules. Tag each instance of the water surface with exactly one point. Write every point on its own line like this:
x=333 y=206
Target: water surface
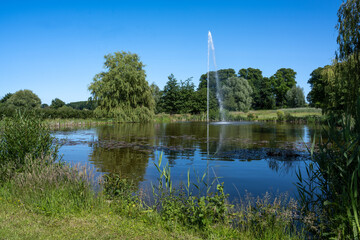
x=247 y=156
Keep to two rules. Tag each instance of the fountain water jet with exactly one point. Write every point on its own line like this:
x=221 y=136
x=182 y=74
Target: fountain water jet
x=218 y=88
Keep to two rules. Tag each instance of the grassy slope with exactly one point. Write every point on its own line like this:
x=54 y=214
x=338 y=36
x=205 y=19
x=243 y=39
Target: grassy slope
x=271 y=114
x=18 y=223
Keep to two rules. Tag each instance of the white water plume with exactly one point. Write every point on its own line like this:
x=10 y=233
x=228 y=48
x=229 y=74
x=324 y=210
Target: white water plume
x=218 y=87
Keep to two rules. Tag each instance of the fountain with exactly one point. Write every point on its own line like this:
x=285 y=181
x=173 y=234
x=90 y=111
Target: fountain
x=218 y=87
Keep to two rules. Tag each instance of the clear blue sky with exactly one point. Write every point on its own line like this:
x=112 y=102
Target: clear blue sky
x=55 y=48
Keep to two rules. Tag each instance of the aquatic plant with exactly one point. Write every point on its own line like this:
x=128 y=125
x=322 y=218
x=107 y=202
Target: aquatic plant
x=329 y=193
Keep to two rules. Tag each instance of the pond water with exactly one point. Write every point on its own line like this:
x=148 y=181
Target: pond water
x=247 y=156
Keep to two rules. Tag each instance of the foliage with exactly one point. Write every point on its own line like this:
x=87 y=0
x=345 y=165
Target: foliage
x=122 y=91
x=170 y=98
x=6 y=97
x=57 y=103
x=268 y=217
x=24 y=99
x=255 y=79
x=329 y=193
x=156 y=94
x=23 y=138
x=237 y=94
x=117 y=187
x=187 y=101
x=82 y=105
x=193 y=210
x=280 y=115
x=51 y=188
x=267 y=95
x=295 y=97
x=317 y=94
x=335 y=88
x=223 y=75
x=44 y=105
x=282 y=81
x=252 y=116
x=179 y=97
x=349 y=30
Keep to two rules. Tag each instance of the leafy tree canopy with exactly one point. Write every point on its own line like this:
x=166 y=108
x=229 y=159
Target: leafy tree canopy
x=316 y=96
x=24 y=99
x=6 y=97
x=348 y=55
x=170 y=99
x=282 y=81
x=237 y=94
x=156 y=94
x=267 y=96
x=57 y=103
x=255 y=78
x=122 y=88
x=80 y=105
x=295 y=97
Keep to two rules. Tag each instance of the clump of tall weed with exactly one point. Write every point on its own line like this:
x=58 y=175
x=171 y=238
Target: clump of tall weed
x=329 y=193
x=33 y=175
x=192 y=204
x=280 y=115
x=24 y=137
x=267 y=217
x=52 y=189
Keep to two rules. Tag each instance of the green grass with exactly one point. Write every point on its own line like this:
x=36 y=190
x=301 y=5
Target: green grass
x=19 y=223
x=291 y=115
x=295 y=114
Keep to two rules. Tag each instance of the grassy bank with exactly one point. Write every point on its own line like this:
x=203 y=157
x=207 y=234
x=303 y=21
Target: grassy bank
x=42 y=198
x=291 y=115
x=294 y=115
x=282 y=115
x=73 y=122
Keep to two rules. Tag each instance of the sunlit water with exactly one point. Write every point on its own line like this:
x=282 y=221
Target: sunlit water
x=246 y=156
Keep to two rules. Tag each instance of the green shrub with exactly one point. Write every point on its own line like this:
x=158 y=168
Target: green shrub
x=116 y=187
x=23 y=138
x=280 y=115
x=252 y=116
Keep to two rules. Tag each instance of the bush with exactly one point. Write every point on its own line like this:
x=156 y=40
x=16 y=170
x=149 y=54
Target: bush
x=280 y=115
x=252 y=116
x=23 y=138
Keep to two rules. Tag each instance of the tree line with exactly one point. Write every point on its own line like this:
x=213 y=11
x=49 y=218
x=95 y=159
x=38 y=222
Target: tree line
x=246 y=90
x=26 y=100
x=122 y=92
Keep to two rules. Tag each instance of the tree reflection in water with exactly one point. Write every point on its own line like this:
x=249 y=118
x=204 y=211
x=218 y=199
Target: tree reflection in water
x=129 y=149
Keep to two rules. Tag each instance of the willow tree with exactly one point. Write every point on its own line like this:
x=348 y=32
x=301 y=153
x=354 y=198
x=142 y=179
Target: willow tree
x=121 y=91
x=348 y=55
x=237 y=94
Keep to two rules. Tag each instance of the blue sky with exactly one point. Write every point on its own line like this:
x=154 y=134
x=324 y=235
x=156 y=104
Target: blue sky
x=55 y=48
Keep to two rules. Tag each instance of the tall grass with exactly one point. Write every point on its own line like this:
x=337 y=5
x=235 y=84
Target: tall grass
x=329 y=193
x=23 y=139
x=32 y=174
x=197 y=206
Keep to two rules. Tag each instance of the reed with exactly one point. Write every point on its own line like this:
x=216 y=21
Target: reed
x=329 y=193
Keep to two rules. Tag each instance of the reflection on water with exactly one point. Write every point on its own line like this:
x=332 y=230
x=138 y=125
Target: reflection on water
x=256 y=157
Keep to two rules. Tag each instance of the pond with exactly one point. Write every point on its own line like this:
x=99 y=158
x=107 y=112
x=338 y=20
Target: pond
x=247 y=156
